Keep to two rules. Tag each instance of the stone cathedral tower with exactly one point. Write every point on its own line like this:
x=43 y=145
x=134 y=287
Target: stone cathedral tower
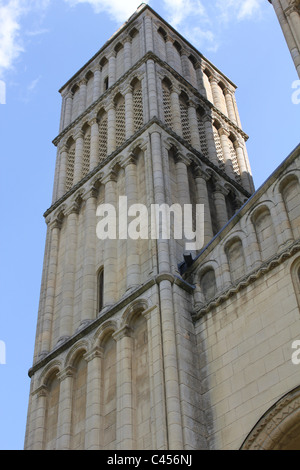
x=288 y=13
x=124 y=358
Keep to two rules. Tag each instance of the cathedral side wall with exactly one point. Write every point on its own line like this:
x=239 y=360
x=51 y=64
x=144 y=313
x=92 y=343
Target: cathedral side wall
x=245 y=348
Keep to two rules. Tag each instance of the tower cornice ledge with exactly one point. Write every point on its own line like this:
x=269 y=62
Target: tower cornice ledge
x=157 y=122
x=118 y=83
x=94 y=324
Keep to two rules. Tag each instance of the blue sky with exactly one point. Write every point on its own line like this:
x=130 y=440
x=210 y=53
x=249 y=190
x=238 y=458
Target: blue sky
x=42 y=44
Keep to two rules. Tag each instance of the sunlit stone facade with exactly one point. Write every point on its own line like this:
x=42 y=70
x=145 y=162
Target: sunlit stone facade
x=140 y=344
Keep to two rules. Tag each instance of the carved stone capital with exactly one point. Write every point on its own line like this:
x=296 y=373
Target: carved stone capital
x=91 y=192
x=41 y=392
x=180 y=158
x=200 y=173
x=78 y=134
x=73 y=208
x=125 y=331
x=96 y=353
x=223 y=131
x=111 y=176
x=219 y=188
x=56 y=223
x=129 y=160
x=68 y=372
x=82 y=82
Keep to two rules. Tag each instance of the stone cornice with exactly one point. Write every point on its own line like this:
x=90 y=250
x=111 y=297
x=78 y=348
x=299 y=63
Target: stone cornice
x=94 y=324
x=121 y=30
x=118 y=83
x=110 y=157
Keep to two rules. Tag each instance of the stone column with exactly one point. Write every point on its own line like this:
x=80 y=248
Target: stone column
x=89 y=280
x=172 y=392
x=172 y=397
x=40 y=417
x=252 y=250
x=223 y=271
x=82 y=96
x=230 y=106
x=200 y=83
x=111 y=128
x=176 y=115
x=127 y=54
x=224 y=136
x=293 y=15
x=61 y=188
x=158 y=412
x=79 y=139
x=132 y=246
x=68 y=283
x=216 y=92
x=159 y=198
x=93 y=400
x=97 y=83
x=193 y=122
x=287 y=27
x=112 y=68
x=110 y=246
x=68 y=110
x=220 y=204
x=47 y=324
x=94 y=158
x=152 y=89
x=124 y=389
x=183 y=193
x=129 y=117
x=210 y=139
x=65 y=409
x=170 y=51
x=148 y=34
x=202 y=198
x=245 y=177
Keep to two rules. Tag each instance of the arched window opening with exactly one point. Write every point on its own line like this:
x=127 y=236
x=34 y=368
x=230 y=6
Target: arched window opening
x=70 y=165
x=138 y=114
x=162 y=33
x=51 y=417
x=201 y=129
x=236 y=260
x=166 y=90
x=184 y=105
x=100 y=289
x=120 y=120
x=102 y=120
x=265 y=232
x=105 y=84
x=208 y=284
x=79 y=403
x=86 y=150
x=290 y=191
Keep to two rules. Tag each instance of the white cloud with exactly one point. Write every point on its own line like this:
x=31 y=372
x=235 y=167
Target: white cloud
x=10 y=44
x=118 y=10
x=180 y=10
x=11 y=14
x=232 y=10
